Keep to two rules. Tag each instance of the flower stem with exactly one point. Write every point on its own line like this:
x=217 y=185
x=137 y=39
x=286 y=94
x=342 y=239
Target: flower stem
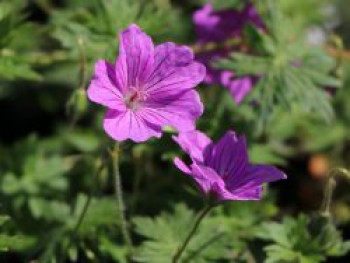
x=119 y=196
x=73 y=106
x=182 y=248
x=330 y=186
x=328 y=193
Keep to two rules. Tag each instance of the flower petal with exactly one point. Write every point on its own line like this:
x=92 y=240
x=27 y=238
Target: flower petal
x=136 y=57
x=129 y=125
x=225 y=195
x=205 y=177
x=239 y=88
x=179 y=111
x=258 y=174
x=104 y=88
x=193 y=143
x=182 y=166
x=250 y=13
x=251 y=194
x=229 y=157
x=206 y=23
x=217 y=26
x=174 y=70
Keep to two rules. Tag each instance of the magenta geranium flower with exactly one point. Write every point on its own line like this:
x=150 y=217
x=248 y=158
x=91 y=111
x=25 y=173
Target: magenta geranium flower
x=147 y=88
x=219 y=26
x=222 y=170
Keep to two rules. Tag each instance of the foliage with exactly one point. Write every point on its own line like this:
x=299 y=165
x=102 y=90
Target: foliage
x=14 y=242
x=290 y=70
x=296 y=240
x=167 y=231
x=96 y=23
x=14 y=62
x=222 y=236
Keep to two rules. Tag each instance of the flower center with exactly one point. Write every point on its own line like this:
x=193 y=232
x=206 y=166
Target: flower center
x=134 y=98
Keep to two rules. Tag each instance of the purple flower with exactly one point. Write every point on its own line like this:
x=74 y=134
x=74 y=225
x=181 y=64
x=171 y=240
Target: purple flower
x=221 y=169
x=147 y=88
x=219 y=26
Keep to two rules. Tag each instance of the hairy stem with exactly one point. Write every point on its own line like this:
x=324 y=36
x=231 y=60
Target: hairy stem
x=73 y=104
x=119 y=196
x=82 y=63
x=182 y=248
x=330 y=186
x=328 y=193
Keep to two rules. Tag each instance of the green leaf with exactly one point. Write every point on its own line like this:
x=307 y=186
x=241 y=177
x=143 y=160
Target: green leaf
x=4 y=219
x=13 y=49
x=16 y=242
x=49 y=210
x=166 y=232
x=118 y=253
x=10 y=69
x=102 y=212
x=262 y=153
x=275 y=232
x=277 y=253
x=84 y=141
x=97 y=23
x=244 y=64
x=292 y=74
x=302 y=240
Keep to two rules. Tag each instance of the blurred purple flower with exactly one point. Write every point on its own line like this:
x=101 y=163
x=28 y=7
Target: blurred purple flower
x=147 y=88
x=221 y=169
x=219 y=26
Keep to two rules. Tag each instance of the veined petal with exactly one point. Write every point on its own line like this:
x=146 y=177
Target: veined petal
x=193 y=143
x=179 y=111
x=104 y=88
x=258 y=174
x=229 y=157
x=225 y=195
x=129 y=125
x=205 y=177
x=251 y=194
x=174 y=70
x=136 y=57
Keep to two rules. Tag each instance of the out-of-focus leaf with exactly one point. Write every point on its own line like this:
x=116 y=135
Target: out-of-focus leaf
x=291 y=73
x=3 y=219
x=49 y=210
x=83 y=141
x=166 y=232
x=259 y=153
x=102 y=212
x=11 y=70
x=302 y=240
x=16 y=242
x=118 y=253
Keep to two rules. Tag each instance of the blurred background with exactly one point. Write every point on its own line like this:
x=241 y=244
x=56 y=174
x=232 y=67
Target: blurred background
x=54 y=158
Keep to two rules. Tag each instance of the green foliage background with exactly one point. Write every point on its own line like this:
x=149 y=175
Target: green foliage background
x=54 y=155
